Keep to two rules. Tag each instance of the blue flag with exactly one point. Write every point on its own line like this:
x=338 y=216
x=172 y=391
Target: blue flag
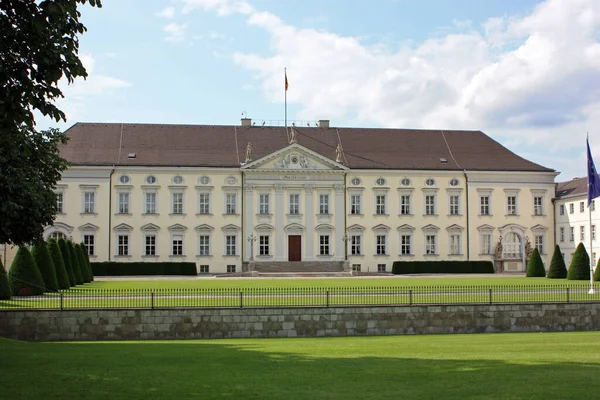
x=593 y=179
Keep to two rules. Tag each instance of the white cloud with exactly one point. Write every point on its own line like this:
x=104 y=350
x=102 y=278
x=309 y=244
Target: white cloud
x=530 y=81
x=175 y=32
x=167 y=13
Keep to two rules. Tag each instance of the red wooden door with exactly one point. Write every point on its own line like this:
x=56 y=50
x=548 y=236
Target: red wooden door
x=295 y=248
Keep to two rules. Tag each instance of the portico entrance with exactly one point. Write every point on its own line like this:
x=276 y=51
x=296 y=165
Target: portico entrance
x=294 y=248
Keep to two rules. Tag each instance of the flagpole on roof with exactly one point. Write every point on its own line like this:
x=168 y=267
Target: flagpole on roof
x=593 y=183
x=285 y=92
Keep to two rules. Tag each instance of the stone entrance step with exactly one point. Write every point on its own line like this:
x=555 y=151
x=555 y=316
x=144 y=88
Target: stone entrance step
x=299 y=267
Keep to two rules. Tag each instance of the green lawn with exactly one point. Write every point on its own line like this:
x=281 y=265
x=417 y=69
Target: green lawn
x=487 y=366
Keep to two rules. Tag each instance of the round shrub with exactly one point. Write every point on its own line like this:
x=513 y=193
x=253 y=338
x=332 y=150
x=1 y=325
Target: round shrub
x=82 y=263
x=24 y=276
x=579 y=269
x=4 y=286
x=558 y=269
x=59 y=265
x=44 y=262
x=64 y=250
x=535 y=266
x=75 y=264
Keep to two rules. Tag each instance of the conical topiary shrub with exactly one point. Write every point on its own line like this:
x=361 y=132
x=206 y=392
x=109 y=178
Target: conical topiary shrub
x=579 y=269
x=64 y=251
x=24 y=276
x=75 y=264
x=558 y=269
x=5 y=292
x=535 y=266
x=44 y=262
x=597 y=271
x=82 y=263
x=87 y=260
x=59 y=265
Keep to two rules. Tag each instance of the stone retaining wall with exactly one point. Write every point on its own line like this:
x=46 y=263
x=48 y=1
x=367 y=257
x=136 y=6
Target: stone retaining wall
x=296 y=322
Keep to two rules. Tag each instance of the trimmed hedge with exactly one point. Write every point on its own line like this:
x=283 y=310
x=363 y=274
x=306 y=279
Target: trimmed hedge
x=535 y=266
x=442 y=267
x=579 y=270
x=64 y=251
x=24 y=276
x=44 y=262
x=59 y=265
x=558 y=269
x=4 y=286
x=112 y=268
x=75 y=263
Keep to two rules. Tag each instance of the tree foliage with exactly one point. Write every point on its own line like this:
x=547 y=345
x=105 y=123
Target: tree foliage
x=5 y=291
x=75 y=264
x=44 y=262
x=535 y=266
x=87 y=260
x=597 y=271
x=558 y=269
x=39 y=45
x=64 y=251
x=579 y=269
x=59 y=265
x=82 y=263
x=24 y=276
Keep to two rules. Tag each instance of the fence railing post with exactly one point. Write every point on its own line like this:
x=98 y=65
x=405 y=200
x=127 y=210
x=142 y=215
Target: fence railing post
x=61 y=302
x=568 y=300
x=241 y=300
x=328 y=298
x=410 y=299
x=490 y=295
x=152 y=300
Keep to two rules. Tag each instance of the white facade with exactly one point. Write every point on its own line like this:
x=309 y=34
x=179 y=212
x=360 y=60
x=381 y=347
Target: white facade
x=573 y=226
x=298 y=205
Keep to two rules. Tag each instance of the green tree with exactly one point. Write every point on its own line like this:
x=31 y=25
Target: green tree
x=558 y=269
x=59 y=265
x=39 y=45
x=87 y=260
x=535 y=266
x=44 y=262
x=24 y=276
x=64 y=251
x=5 y=291
x=597 y=271
x=75 y=264
x=82 y=263
x=579 y=269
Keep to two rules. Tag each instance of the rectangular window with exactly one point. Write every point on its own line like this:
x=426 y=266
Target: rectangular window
x=355 y=204
x=323 y=204
x=454 y=200
x=177 y=203
x=571 y=208
x=355 y=245
x=204 y=245
x=263 y=203
x=593 y=205
x=59 y=203
x=324 y=245
x=204 y=203
x=380 y=204
x=123 y=245
x=582 y=233
x=294 y=204
x=539 y=243
x=405 y=245
x=123 y=203
x=561 y=209
x=356 y=267
x=511 y=202
x=380 y=247
x=581 y=206
x=263 y=245
x=204 y=269
x=572 y=239
x=405 y=204
x=230 y=203
x=486 y=243
x=89 y=202
x=230 y=245
x=150 y=245
x=455 y=244
x=150 y=206
x=90 y=244
x=562 y=234
x=430 y=245
x=381 y=268
x=593 y=232
x=484 y=205
x=177 y=245
x=231 y=269
x=430 y=204
x=537 y=205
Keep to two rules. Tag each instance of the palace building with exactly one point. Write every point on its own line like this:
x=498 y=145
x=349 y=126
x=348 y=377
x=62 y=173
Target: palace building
x=231 y=198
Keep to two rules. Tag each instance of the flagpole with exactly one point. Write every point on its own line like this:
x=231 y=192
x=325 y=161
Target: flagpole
x=591 y=253
x=285 y=91
x=592 y=193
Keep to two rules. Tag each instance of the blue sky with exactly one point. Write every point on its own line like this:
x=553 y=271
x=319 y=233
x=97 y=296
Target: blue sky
x=525 y=72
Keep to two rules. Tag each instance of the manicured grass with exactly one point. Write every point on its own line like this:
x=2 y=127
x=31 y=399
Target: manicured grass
x=487 y=366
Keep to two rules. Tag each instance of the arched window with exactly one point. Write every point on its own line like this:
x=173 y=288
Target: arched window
x=511 y=246
x=58 y=235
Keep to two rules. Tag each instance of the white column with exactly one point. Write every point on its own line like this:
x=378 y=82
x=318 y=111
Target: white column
x=248 y=219
x=309 y=236
x=339 y=222
x=279 y=239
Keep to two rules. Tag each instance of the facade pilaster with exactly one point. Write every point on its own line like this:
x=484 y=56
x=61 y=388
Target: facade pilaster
x=278 y=240
x=340 y=215
x=248 y=220
x=310 y=223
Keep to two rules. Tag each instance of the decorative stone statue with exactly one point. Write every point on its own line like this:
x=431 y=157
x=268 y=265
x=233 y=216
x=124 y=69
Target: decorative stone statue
x=339 y=153
x=248 y=152
x=528 y=248
x=293 y=134
x=498 y=250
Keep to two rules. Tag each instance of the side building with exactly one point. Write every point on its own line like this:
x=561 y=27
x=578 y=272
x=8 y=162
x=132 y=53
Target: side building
x=221 y=196
x=573 y=219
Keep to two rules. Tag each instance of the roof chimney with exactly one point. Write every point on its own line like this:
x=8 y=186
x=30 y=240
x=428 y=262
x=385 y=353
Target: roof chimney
x=323 y=123
x=246 y=121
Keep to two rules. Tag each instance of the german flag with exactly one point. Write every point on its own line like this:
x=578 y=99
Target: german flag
x=286 y=82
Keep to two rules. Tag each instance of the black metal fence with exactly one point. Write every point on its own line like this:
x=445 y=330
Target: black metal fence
x=299 y=297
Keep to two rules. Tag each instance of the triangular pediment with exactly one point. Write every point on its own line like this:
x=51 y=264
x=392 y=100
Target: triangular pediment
x=539 y=227
x=88 y=227
x=295 y=157
x=177 y=227
x=454 y=227
x=381 y=227
x=405 y=227
x=204 y=227
x=355 y=227
x=231 y=227
x=485 y=227
x=150 y=227
x=123 y=227
x=430 y=227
